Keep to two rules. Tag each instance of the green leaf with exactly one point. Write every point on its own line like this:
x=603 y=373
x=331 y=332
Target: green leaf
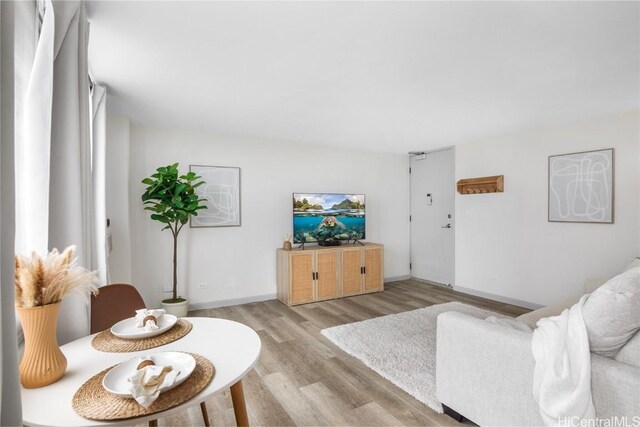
x=180 y=188
x=160 y=218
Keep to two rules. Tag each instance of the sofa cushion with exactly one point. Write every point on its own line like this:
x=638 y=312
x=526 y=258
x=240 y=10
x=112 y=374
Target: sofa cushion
x=634 y=263
x=510 y=323
x=630 y=353
x=611 y=313
x=532 y=317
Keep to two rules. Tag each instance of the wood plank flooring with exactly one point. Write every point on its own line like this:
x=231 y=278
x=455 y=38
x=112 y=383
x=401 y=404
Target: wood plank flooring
x=303 y=379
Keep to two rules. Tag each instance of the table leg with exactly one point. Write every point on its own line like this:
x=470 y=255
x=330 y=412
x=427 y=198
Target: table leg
x=239 y=406
x=205 y=415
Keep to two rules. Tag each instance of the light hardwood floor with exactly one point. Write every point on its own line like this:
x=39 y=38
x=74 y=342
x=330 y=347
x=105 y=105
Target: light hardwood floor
x=303 y=379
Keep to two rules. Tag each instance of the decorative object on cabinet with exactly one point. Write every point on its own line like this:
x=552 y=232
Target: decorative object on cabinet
x=321 y=273
x=221 y=193
x=581 y=187
x=287 y=242
x=486 y=184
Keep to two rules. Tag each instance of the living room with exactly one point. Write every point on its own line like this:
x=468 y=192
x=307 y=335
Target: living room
x=319 y=98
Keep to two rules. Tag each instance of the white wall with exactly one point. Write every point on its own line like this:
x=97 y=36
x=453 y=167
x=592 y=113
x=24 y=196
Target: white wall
x=504 y=244
x=117 y=195
x=270 y=172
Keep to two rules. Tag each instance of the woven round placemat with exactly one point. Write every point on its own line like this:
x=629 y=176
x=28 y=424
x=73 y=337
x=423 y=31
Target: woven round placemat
x=92 y=401
x=106 y=341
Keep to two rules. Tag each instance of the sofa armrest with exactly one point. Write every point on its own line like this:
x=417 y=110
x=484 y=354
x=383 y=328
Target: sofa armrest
x=615 y=388
x=484 y=371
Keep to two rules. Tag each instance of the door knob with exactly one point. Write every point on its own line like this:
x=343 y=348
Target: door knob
x=446 y=226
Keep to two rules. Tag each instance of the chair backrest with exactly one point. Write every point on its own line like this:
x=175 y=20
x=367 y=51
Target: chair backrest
x=113 y=304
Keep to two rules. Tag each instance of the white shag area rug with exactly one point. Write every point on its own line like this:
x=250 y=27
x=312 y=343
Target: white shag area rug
x=401 y=347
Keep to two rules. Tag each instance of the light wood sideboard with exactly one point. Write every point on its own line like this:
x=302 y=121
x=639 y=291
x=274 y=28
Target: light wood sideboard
x=325 y=272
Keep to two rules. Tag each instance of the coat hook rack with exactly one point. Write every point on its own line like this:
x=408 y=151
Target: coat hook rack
x=486 y=184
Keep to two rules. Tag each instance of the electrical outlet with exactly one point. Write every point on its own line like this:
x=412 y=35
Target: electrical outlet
x=203 y=286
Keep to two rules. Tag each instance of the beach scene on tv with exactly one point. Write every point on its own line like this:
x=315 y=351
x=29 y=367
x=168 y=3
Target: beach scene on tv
x=326 y=218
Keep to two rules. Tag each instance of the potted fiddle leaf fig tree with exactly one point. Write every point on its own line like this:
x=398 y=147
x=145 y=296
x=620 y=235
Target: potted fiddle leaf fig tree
x=172 y=200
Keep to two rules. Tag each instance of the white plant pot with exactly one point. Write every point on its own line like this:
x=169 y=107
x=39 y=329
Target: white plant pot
x=178 y=309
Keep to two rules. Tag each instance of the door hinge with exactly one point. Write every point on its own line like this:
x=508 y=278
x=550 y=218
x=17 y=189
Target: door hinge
x=409 y=218
x=409 y=170
x=410 y=266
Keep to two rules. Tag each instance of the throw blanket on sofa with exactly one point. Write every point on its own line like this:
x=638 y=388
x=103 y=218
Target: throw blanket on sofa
x=562 y=374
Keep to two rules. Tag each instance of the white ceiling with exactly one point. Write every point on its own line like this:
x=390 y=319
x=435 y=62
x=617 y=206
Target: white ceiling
x=391 y=76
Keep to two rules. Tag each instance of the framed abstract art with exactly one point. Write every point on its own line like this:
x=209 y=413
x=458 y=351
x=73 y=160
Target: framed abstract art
x=581 y=187
x=221 y=191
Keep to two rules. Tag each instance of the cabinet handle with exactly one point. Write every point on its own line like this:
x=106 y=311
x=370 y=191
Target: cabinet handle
x=313 y=275
x=364 y=269
x=361 y=270
x=317 y=275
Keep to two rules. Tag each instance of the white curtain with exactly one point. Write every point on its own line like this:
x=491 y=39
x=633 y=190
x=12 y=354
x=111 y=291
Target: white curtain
x=98 y=176
x=10 y=406
x=55 y=182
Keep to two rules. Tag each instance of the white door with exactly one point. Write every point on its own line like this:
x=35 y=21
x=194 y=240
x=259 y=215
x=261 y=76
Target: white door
x=432 y=216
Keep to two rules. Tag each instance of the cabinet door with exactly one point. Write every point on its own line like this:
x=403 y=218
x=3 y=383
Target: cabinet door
x=301 y=278
x=373 y=269
x=351 y=271
x=327 y=274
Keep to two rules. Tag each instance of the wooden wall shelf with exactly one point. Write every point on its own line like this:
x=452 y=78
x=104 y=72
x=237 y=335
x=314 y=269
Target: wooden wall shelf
x=486 y=184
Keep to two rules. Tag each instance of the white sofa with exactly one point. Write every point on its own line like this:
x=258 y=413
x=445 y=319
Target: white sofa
x=484 y=372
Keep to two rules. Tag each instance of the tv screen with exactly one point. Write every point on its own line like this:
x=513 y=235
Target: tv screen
x=328 y=217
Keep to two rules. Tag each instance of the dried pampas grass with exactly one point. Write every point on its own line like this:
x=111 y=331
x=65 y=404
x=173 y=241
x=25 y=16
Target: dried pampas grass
x=45 y=281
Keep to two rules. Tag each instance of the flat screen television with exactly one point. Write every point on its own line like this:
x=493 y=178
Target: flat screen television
x=328 y=218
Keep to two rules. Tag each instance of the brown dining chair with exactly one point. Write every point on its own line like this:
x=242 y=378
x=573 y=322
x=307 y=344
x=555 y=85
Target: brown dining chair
x=114 y=303
x=117 y=302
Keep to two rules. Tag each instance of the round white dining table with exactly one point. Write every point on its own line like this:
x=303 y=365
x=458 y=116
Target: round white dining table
x=232 y=347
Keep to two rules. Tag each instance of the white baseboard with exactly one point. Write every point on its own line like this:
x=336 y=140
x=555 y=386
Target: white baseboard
x=396 y=278
x=230 y=301
x=507 y=300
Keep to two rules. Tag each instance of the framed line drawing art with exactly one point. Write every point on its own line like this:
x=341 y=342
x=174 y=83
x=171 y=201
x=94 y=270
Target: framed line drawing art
x=581 y=187
x=221 y=191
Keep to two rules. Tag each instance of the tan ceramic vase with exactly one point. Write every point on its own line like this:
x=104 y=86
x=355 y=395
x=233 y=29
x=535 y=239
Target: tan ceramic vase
x=42 y=363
